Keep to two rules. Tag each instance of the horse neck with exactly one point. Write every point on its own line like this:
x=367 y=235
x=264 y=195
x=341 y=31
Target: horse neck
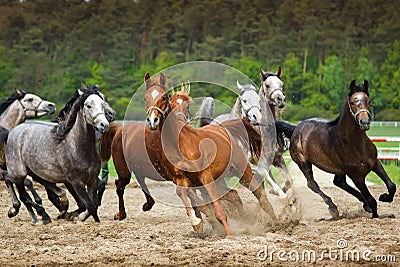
x=172 y=128
x=82 y=135
x=273 y=110
x=12 y=116
x=237 y=109
x=347 y=127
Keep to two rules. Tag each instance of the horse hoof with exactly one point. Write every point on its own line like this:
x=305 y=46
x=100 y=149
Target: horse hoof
x=147 y=206
x=334 y=213
x=12 y=212
x=385 y=198
x=119 y=217
x=46 y=221
x=199 y=228
x=367 y=208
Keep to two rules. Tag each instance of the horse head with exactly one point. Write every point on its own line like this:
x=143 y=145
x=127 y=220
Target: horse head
x=250 y=102
x=34 y=106
x=111 y=114
x=94 y=111
x=156 y=100
x=272 y=87
x=359 y=104
x=180 y=101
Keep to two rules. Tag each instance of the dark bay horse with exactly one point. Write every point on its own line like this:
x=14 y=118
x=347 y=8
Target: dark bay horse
x=197 y=157
x=340 y=147
x=63 y=152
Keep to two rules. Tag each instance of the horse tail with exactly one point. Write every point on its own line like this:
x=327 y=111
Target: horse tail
x=206 y=111
x=284 y=127
x=106 y=140
x=251 y=139
x=3 y=140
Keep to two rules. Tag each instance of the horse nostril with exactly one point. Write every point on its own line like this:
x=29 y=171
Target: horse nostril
x=155 y=119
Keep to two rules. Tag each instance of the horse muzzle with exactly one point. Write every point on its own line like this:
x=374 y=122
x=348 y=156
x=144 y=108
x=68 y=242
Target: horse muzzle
x=364 y=124
x=102 y=126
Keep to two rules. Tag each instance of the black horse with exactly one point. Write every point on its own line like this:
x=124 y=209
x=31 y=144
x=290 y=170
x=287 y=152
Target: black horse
x=340 y=147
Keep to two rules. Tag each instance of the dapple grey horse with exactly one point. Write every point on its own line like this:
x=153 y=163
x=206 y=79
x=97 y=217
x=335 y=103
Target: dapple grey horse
x=59 y=153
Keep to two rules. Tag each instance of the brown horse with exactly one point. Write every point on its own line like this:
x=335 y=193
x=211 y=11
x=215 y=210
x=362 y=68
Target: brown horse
x=197 y=157
x=340 y=147
x=126 y=145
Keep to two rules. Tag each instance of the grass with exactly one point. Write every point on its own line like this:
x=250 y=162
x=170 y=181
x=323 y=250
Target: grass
x=391 y=168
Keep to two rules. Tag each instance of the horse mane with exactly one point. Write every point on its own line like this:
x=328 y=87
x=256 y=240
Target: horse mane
x=15 y=96
x=67 y=108
x=72 y=108
x=268 y=74
x=206 y=111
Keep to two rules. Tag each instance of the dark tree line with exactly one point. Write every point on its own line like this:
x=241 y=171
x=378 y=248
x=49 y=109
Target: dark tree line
x=49 y=46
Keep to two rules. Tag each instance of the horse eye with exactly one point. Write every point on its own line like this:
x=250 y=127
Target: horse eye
x=30 y=100
x=267 y=86
x=88 y=106
x=245 y=101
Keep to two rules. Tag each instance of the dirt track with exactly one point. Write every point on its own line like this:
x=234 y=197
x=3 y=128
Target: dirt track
x=163 y=236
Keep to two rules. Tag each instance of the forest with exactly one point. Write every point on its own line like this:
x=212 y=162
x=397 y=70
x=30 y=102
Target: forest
x=48 y=47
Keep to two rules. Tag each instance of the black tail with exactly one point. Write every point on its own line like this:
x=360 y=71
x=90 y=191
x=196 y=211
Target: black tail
x=284 y=127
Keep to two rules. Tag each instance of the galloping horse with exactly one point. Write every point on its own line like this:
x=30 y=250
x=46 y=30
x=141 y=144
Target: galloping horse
x=17 y=108
x=340 y=147
x=63 y=152
x=197 y=157
x=126 y=144
x=254 y=106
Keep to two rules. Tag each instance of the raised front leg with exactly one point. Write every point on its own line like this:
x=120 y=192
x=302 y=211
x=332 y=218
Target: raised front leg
x=380 y=171
x=263 y=172
x=16 y=204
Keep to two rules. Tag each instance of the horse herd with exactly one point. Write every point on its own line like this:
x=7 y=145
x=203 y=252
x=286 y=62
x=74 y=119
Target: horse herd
x=166 y=146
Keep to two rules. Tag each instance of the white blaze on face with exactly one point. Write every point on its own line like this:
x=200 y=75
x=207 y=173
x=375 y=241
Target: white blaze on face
x=179 y=101
x=154 y=94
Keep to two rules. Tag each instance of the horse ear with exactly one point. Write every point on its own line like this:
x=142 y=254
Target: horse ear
x=80 y=92
x=147 y=80
x=366 y=85
x=187 y=88
x=262 y=73
x=163 y=79
x=18 y=92
x=279 y=72
x=239 y=86
x=83 y=86
x=352 y=85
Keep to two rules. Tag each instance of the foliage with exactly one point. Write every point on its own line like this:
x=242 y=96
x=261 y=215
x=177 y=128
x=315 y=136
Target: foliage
x=49 y=47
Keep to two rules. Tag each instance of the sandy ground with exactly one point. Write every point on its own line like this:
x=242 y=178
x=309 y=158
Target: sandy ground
x=164 y=236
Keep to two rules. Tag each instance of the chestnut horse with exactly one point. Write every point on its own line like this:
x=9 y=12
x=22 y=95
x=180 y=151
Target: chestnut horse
x=340 y=147
x=197 y=157
x=127 y=147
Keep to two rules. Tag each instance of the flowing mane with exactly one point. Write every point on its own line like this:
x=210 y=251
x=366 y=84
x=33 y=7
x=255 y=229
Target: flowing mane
x=15 y=96
x=63 y=112
x=67 y=120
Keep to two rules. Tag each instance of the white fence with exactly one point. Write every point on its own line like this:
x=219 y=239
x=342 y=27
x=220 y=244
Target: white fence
x=386 y=123
x=387 y=153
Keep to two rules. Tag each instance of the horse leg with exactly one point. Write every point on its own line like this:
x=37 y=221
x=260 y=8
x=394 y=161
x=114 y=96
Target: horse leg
x=181 y=191
x=340 y=181
x=207 y=180
x=149 y=199
x=229 y=194
x=26 y=199
x=92 y=189
x=306 y=168
x=55 y=194
x=279 y=163
x=380 y=171
x=360 y=184
x=28 y=183
x=197 y=203
x=275 y=187
x=91 y=207
x=248 y=181
x=121 y=183
x=101 y=189
x=16 y=204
